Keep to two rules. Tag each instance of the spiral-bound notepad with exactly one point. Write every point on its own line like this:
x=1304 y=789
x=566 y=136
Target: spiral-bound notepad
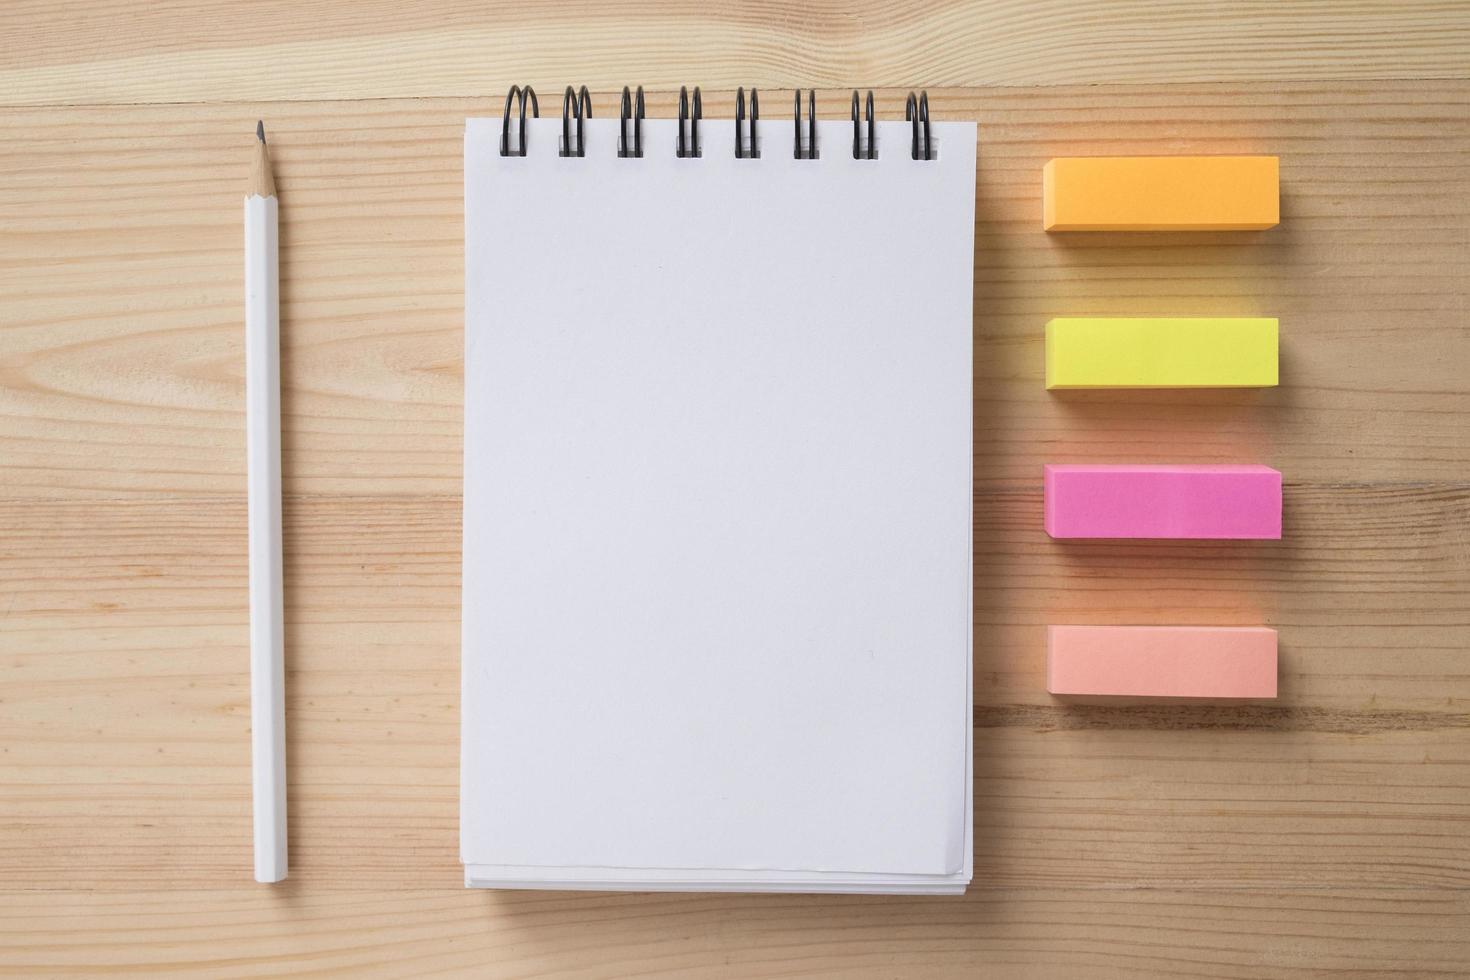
x=717 y=527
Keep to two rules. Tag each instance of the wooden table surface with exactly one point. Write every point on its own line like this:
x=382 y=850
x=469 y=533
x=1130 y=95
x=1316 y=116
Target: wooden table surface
x=1327 y=833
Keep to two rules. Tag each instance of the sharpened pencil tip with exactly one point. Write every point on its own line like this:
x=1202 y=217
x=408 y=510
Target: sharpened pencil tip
x=262 y=184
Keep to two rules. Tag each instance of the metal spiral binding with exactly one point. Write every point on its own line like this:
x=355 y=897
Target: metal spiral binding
x=578 y=103
x=808 y=152
x=859 y=152
x=519 y=95
x=629 y=112
x=918 y=113
x=692 y=118
x=755 y=112
x=583 y=102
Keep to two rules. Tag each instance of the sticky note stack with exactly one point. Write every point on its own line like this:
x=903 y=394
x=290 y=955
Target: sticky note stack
x=1155 y=501
x=1161 y=352
x=1199 y=502
x=1222 y=193
x=1215 y=662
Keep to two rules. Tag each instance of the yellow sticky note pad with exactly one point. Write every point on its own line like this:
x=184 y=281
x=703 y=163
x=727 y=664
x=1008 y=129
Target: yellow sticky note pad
x=1161 y=193
x=1161 y=352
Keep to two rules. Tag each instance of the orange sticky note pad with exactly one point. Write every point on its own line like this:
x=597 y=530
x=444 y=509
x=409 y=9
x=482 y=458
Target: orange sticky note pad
x=1185 y=662
x=1161 y=193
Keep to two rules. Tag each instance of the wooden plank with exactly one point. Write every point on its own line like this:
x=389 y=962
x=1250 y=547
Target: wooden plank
x=121 y=352
x=1049 y=932
x=114 y=51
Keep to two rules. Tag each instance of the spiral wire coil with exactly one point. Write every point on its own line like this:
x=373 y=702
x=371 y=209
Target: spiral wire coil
x=576 y=105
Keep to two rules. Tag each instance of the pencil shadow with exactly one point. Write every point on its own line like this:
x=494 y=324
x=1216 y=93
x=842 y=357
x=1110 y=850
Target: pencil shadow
x=293 y=569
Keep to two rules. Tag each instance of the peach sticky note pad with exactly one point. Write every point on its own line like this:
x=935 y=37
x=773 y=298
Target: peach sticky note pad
x=1097 y=501
x=1239 y=193
x=1224 y=662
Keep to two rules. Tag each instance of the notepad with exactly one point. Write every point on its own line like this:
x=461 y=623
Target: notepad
x=717 y=528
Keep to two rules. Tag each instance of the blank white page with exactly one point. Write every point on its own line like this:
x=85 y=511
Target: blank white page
x=717 y=503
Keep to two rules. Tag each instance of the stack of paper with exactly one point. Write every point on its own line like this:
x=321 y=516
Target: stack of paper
x=717 y=527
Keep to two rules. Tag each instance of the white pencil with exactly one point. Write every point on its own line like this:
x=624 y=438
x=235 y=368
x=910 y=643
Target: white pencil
x=263 y=469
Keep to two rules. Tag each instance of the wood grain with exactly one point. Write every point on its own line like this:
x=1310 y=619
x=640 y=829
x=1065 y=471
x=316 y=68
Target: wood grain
x=126 y=715
x=1325 y=834
x=115 y=51
x=1045 y=932
x=123 y=354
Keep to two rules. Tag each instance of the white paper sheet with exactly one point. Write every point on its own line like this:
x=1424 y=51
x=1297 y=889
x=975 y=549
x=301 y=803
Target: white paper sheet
x=717 y=522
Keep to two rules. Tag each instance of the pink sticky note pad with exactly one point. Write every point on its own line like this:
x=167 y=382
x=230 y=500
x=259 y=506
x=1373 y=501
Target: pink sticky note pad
x=1215 y=662
x=1088 y=501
